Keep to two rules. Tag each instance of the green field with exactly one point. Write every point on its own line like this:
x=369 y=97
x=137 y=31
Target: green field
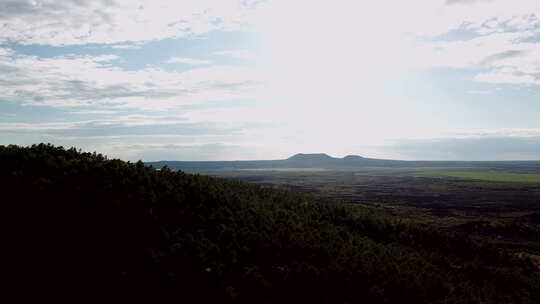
x=287 y=169
x=487 y=176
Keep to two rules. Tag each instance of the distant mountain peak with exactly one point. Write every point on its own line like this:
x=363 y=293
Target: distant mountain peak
x=320 y=157
x=311 y=156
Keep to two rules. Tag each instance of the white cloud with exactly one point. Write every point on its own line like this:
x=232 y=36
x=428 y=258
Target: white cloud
x=357 y=36
x=68 y=22
x=126 y=126
x=369 y=20
x=342 y=46
x=182 y=151
x=500 y=132
x=5 y=52
x=74 y=81
x=480 y=92
x=242 y=54
x=190 y=61
x=327 y=62
x=467 y=148
x=483 y=51
x=126 y=121
x=98 y=112
x=117 y=46
x=126 y=47
x=508 y=50
x=505 y=76
x=452 y=2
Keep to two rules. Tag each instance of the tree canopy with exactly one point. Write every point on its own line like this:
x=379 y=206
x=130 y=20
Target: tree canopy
x=104 y=227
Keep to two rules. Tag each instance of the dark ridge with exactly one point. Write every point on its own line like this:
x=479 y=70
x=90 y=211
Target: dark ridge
x=80 y=226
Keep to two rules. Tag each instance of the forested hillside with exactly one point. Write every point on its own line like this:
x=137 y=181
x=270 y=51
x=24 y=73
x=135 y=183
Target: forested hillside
x=105 y=228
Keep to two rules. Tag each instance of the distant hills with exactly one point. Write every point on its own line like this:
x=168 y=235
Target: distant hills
x=311 y=157
x=349 y=162
x=300 y=160
x=322 y=160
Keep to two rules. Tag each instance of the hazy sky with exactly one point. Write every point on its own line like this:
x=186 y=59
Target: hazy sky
x=256 y=79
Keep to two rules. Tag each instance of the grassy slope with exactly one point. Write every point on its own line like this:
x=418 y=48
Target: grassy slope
x=88 y=222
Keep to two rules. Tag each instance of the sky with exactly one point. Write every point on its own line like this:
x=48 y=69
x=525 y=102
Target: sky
x=265 y=79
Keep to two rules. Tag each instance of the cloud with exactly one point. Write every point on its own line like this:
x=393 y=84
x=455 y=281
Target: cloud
x=82 y=81
x=117 y=46
x=134 y=137
x=134 y=125
x=190 y=61
x=506 y=76
x=476 y=148
x=242 y=54
x=497 y=133
x=186 y=152
x=100 y=112
x=508 y=57
x=483 y=51
x=126 y=47
x=493 y=59
x=346 y=47
x=350 y=38
x=475 y=144
x=345 y=52
x=5 y=51
x=451 y=2
x=490 y=16
x=479 y=92
x=70 y=22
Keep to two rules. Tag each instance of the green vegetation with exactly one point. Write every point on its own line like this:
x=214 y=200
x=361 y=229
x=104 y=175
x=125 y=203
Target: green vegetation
x=287 y=169
x=127 y=232
x=445 y=202
x=487 y=176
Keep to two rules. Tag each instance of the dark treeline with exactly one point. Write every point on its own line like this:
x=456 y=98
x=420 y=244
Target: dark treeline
x=82 y=225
